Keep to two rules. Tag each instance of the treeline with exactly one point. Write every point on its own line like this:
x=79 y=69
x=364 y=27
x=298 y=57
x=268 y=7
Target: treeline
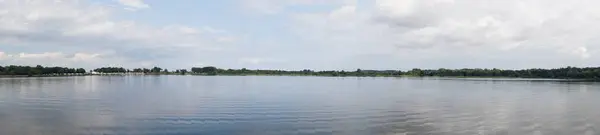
x=39 y=70
x=559 y=73
x=218 y=71
x=306 y=72
x=154 y=70
x=123 y=70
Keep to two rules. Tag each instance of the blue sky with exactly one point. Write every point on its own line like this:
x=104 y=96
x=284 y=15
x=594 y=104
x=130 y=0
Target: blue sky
x=300 y=34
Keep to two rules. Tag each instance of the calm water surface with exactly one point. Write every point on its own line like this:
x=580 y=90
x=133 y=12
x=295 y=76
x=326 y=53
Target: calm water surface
x=199 y=105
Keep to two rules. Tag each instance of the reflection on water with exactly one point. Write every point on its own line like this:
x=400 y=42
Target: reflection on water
x=295 y=105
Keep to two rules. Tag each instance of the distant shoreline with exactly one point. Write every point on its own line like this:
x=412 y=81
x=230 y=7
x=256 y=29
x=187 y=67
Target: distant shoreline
x=22 y=76
x=567 y=73
x=466 y=78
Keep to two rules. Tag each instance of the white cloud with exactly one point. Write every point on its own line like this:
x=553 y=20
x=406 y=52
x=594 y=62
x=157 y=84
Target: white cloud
x=278 y=6
x=80 y=59
x=212 y=30
x=134 y=4
x=513 y=30
x=226 y=39
x=3 y=55
x=396 y=7
x=86 y=60
x=256 y=60
x=73 y=26
x=324 y=33
x=582 y=52
x=46 y=55
x=514 y=23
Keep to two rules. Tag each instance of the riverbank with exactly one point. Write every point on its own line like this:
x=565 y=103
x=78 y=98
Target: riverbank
x=474 y=78
x=18 y=76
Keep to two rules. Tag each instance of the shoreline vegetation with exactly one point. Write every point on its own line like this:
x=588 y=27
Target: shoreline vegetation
x=574 y=73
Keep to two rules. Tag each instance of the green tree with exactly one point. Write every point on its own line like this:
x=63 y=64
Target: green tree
x=183 y=71
x=156 y=69
x=80 y=70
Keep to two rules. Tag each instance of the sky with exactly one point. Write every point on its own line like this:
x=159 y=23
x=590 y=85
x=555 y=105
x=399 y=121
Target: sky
x=301 y=34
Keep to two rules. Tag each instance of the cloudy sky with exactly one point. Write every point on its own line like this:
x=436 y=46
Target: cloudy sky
x=299 y=34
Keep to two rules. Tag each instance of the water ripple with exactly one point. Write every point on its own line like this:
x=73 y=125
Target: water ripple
x=195 y=105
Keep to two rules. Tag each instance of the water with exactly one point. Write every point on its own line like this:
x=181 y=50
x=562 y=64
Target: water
x=199 y=105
